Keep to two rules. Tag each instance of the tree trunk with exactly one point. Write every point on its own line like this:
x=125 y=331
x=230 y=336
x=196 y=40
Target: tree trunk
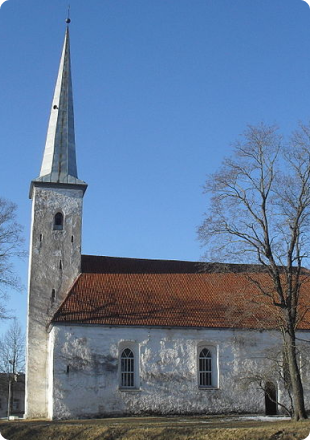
x=297 y=388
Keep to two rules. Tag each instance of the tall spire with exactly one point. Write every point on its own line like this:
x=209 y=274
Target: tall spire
x=59 y=159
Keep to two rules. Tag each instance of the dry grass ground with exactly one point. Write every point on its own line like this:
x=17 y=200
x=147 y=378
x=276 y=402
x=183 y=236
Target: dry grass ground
x=156 y=428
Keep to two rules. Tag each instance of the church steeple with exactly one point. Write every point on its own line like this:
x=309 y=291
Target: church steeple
x=59 y=159
x=56 y=238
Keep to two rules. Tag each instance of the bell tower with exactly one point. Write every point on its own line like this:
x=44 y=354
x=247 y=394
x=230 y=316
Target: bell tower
x=55 y=245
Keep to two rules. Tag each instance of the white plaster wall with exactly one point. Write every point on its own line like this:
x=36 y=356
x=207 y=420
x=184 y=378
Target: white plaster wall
x=86 y=371
x=47 y=248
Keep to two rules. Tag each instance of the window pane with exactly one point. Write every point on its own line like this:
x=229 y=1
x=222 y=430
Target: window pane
x=127 y=368
x=205 y=368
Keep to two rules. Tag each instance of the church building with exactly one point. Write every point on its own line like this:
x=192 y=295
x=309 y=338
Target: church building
x=121 y=336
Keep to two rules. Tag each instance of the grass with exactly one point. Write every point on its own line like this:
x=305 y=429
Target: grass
x=156 y=428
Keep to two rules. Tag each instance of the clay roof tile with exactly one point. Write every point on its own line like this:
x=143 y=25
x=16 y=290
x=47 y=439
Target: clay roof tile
x=115 y=291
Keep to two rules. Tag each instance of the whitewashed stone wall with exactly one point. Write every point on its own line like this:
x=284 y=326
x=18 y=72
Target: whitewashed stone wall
x=55 y=262
x=86 y=371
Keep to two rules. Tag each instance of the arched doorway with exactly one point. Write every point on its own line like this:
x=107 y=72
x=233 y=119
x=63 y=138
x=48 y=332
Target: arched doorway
x=270 y=399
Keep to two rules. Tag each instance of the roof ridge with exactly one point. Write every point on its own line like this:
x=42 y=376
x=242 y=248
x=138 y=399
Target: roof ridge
x=106 y=264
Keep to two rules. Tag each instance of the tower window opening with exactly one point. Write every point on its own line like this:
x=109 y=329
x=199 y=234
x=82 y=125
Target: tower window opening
x=58 y=221
x=41 y=237
x=60 y=265
x=53 y=297
x=72 y=238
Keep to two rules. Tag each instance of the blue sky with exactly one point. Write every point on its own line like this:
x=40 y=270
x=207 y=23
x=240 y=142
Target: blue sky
x=162 y=88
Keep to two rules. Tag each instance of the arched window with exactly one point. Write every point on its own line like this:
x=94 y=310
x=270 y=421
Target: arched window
x=58 y=221
x=127 y=369
x=205 y=368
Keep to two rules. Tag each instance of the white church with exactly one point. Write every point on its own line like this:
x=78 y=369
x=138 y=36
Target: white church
x=121 y=336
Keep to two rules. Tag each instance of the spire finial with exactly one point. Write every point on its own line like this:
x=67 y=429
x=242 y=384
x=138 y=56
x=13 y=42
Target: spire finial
x=68 y=20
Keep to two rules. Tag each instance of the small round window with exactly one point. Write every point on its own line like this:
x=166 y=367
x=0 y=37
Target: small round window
x=59 y=221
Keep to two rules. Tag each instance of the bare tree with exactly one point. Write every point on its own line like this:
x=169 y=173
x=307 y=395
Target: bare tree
x=260 y=213
x=11 y=245
x=275 y=371
x=12 y=349
x=12 y=358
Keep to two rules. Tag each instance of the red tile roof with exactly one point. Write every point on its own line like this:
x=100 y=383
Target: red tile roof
x=96 y=264
x=126 y=291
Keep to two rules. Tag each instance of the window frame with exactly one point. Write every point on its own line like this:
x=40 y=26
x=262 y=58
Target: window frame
x=212 y=367
x=58 y=226
x=133 y=367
